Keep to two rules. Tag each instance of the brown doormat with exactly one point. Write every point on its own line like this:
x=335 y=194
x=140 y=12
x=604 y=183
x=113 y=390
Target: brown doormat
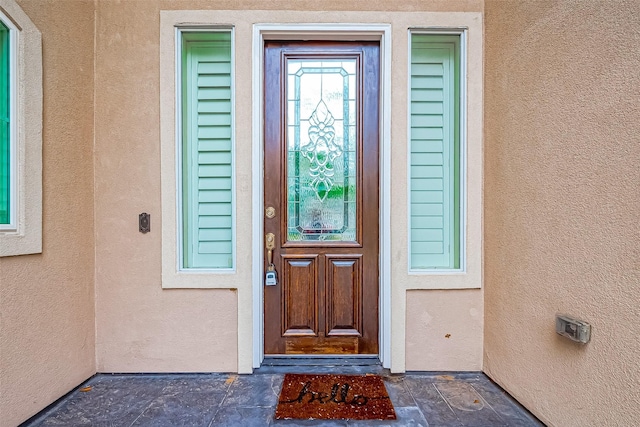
x=334 y=397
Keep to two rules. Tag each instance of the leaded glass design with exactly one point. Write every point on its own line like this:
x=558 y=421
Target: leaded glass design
x=321 y=150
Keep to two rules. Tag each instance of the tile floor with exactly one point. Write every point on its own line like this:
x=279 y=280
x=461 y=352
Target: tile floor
x=420 y=399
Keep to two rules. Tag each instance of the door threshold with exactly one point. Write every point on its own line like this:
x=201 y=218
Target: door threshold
x=323 y=364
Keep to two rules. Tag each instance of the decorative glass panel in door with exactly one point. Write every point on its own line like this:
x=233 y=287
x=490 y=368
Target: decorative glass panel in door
x=321 y=150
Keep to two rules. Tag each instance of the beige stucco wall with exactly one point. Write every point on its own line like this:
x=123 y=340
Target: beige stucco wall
x=47 y=338
x=140 y=326
x=562 y=203
x=444 y=330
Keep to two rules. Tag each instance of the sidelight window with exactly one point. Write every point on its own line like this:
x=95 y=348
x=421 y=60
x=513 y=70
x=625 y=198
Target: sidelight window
x=434 y=164
x=7 y=136
x=207 y=202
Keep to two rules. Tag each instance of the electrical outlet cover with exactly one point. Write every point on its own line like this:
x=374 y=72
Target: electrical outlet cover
x=574 y=329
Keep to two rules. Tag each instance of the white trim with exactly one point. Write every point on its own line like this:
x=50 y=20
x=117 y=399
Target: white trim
x=178 y=147
x=469 y=275
x=14 y=176
x=359 y=32
x=257 y=185
x=178 y=144
x=24 y=234
x=385 y=198
x=464 y=59
x=178 y=276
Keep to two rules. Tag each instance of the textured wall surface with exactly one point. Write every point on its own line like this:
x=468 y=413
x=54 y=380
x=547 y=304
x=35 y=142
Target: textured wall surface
x=444 y=330
x=47 y=338
x=140 y=326
x=562 y=202
x=562 y=92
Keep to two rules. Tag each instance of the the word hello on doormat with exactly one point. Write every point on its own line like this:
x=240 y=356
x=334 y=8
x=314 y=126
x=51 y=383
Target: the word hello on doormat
x=334 y=397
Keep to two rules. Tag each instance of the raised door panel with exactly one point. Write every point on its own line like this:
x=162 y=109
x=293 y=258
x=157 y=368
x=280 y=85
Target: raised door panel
x=344 y=295
x=300 y=289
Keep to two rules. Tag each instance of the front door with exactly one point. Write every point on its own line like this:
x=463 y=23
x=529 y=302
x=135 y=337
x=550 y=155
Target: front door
x=321 y=194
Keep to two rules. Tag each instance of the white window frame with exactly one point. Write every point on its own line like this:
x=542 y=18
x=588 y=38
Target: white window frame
x=23 y=235
x=13 y=146
x=469 y=276
x=463 y=34
x=174 y=274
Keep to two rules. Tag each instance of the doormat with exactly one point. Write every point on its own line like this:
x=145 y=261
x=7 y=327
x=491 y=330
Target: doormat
x=334 y=397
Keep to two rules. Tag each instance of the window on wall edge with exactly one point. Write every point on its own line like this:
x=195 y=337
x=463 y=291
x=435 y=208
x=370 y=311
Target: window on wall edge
x=206 y=150
x=7 y=132
x=435 y=152
x=20 y=133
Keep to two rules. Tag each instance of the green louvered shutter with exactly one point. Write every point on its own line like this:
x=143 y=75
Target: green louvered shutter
x=435 y=152
x=5 y=128
x=207 y=202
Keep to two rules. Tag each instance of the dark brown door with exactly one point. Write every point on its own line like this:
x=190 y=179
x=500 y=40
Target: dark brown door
x=321 y=175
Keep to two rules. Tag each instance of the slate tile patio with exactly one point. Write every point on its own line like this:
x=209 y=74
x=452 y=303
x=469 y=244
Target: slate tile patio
x=207 y=400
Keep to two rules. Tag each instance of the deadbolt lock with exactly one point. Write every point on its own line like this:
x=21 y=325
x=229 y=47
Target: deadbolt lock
x=270 y=212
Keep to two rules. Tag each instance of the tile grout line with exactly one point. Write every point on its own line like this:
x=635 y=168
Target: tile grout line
x=147 y=407
x=418 y=406
x=489 y=405
x=444 y=399
x=415 y=403
x=516 y=409
x=414 y=400
x=235 y=377
x=141 y=413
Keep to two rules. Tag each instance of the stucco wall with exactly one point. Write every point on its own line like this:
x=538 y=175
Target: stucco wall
x=47 y=338
x=140 y=326
x=444 y=330
x=562 y=203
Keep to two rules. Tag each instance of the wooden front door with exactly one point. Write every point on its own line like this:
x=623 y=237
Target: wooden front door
x=321 y=181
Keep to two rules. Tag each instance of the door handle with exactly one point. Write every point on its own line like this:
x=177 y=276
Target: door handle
x=271 y=278
x=271 y=244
